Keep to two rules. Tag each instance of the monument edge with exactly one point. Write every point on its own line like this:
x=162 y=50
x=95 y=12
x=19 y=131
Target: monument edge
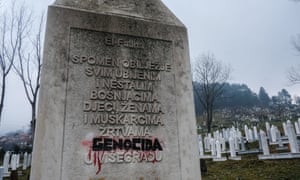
x=182 y=43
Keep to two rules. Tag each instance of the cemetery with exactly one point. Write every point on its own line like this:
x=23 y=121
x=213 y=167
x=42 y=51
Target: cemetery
x=117 y=102
x=15 y=166
x=231 y=152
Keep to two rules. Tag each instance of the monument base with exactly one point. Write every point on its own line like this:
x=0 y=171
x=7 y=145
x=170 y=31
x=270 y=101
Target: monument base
x=279 y=156
x=220 y=159
x=237 y=158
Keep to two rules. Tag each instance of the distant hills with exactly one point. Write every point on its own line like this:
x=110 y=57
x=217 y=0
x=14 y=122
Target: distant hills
x=241 y=96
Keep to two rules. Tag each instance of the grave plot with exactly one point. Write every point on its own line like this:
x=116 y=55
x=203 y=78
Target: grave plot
x=285 y=146
x=269 y=143
x=15 y=165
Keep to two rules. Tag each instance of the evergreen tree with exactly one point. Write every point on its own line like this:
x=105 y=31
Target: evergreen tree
x=263 y=97
x=284 y=97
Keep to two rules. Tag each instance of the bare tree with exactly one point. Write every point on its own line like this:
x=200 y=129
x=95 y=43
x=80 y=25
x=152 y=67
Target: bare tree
x=296 y=43
x=293 y=73
x=13 y=29
x=210 y=76
x=28 y=68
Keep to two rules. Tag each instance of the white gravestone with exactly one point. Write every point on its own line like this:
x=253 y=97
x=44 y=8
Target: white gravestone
x=297 y=128
x=29 y=160
x=218 y=148
x=1 y=172
x=239 y=133
x=223 y=143
x=14 y=162
x=284 y=129
x=259 y=142
x=264 y=142
x=255 y=133
x=200 y=145
x=232 y=149
x=217 y=135
x=213 y=146
x=236 y=143
x=219 y=152
x=278 y=135
x=224 y=134
x=268 y=128
x=238 y=140
x=273 y=134
x=6 y=162
x=243 y=147
x=246 y=130
x=250 y=135
x=18 y=160
x=233 y=134
x=25 y=158
x=206 y=143
x=292 y=137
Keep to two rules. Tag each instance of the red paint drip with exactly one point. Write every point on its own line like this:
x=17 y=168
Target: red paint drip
x=90 y=154
x=86 y=143
x=99 y=162
x=95 y=158
x=155 y=158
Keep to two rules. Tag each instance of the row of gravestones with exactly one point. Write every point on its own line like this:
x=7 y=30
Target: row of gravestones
x=231 y=141
x=287 y=140
x=12 y=161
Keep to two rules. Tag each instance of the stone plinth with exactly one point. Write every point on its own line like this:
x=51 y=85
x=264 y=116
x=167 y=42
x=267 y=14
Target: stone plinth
x=116 y=94
x=279 y=156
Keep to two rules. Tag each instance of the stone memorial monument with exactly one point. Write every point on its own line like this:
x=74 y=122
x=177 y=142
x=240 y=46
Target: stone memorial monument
x=116 y=97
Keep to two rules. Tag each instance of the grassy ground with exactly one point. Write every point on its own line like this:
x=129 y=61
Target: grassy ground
x=250 y=168
x=22 y=176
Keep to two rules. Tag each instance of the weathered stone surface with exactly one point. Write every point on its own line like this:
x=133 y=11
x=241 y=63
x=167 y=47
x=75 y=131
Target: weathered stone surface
x=153 y=10
x=116 y=98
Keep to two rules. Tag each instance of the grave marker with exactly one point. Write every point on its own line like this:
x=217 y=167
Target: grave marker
x=218 y=156
x=246 y=130
x=264 y=142
x=14 y=162
x=116 y=94
x=213 y=147
x=255 y=133
x=292 y=137
x=297 y=128
x=6 y=162
x=25 y=159
x=243 y=146
x=273 y=133
x=233 y=155
x=200 y=145
x=1 y=172
x=29 y=160
x=285 y=129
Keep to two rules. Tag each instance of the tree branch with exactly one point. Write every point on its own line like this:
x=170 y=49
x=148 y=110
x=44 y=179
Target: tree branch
x=211 y=76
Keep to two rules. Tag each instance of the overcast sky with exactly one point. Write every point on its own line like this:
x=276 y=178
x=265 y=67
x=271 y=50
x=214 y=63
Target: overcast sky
x=253 y=36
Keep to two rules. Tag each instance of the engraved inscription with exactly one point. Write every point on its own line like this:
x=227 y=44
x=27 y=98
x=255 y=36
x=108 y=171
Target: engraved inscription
x=122 y=111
